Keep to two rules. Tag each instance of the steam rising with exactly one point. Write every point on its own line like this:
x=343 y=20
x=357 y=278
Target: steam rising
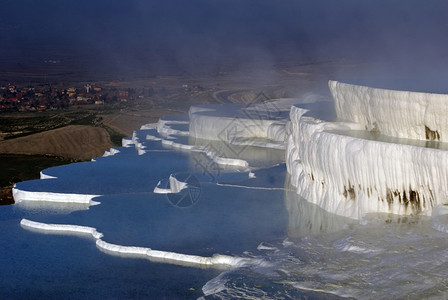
x=203 y=36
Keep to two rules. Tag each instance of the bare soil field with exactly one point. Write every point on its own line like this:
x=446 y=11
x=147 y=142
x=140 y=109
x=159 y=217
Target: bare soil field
x=127 y=121
x=79 y=142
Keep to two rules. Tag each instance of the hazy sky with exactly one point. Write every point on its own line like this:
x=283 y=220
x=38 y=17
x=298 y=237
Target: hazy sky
x=208 y=33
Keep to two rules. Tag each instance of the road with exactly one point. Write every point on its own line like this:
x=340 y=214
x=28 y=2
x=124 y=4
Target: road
x=223 y=96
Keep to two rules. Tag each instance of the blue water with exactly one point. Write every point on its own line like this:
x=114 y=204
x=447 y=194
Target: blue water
x=306 y=252
x=225 y=220
x=47 y=266
x=36 y=265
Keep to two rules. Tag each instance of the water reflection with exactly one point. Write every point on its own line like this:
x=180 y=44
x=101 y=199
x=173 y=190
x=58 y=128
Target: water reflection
x=308 y=218
x=256 y=156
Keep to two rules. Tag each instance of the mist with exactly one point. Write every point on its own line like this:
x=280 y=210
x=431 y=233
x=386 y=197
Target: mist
x=208 y=36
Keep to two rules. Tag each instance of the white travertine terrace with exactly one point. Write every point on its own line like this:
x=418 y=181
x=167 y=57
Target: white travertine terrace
x=215 y=261
x=403 y=114
x=352 y=176
x=342 y=172
x=176 y=186
x=22 y=195
x=261 y=124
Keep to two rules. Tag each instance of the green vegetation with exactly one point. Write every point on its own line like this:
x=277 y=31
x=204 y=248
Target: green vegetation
x=16 y=168
x=22 y=124
x=19 y=124
x=115 y=136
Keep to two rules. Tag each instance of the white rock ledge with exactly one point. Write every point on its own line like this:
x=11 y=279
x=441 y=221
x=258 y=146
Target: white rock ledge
x=175 y=186
x=216 y=261
x=351 y=176
x=21 y=195
x=403 y=114
x=61 y=228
